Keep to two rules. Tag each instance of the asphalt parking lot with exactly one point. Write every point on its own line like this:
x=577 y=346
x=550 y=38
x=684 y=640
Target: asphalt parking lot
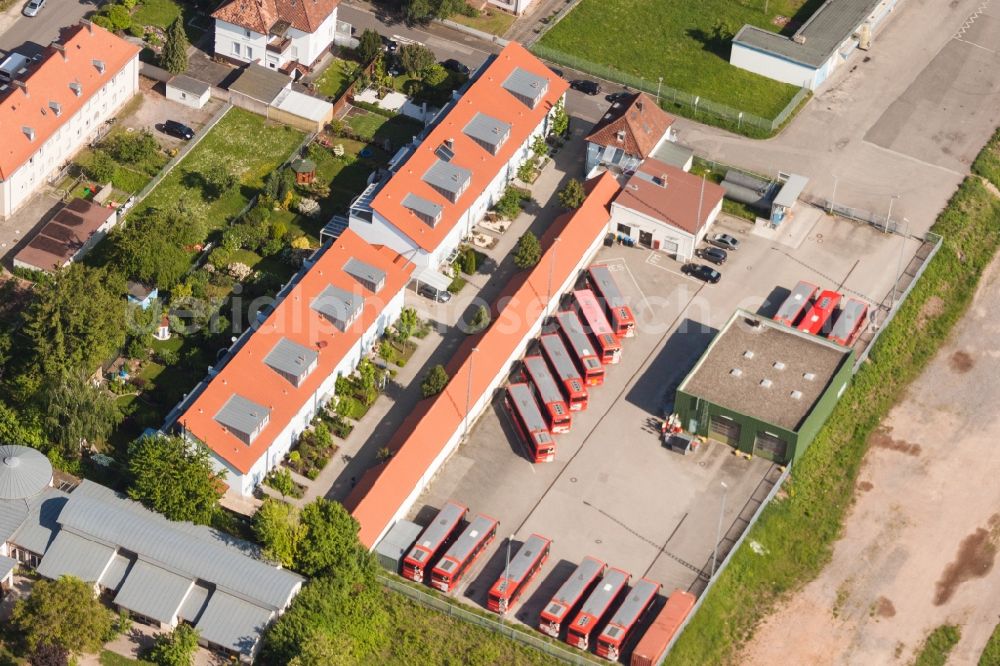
x=613 y=491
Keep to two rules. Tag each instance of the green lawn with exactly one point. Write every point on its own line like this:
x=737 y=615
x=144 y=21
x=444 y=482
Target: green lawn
x=160 y=13
x=109 y=658
x=938 y=645
x=987 y=163
x=675 y=39
x=333 y=81
x=399 y=130
x=991 y=653
x=241 y=141
x=492 y=21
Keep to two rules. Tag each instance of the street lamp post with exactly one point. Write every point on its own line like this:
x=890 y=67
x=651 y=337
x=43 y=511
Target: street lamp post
x=506 y=571
x=833 y=197
x=718 y=530
x=888 y=218
x=552 y=261
x=899 y=261
x=468 y=390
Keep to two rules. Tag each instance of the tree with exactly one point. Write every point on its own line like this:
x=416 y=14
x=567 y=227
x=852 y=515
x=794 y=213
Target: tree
x=276 y=526
x=539 y=147
x=369 y=45
x=117 y=17
x=407 y=324
x=170 y=476
x=509 y=204
x=176 y=648
x=418 y=11
x=528 y=251
x=132 y=148
x=573 y=195
x=220 y=180
x=560 y=119
x=435 y=381
x=74 y=413
x=49 y=654
x=329 y=542
x=20 y=426
x=480 y=320
x=281 y=480
x=174 y=58
x=148 y=250
x=63 y=613
x=415 y=58
x=526 y=172
x=102 y=168
x=434 y=75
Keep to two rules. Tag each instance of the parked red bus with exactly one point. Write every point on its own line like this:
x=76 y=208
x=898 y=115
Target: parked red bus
x=569 y=596
x=798 y=300
x=432 y=539
x=654 y=642
x=604 y=286
x=850 y=322
x=820 y=313
x=614 y=635
x=601 y=600
x=597 y=327
x=523 y=567
x=530 y=423
x=583 y=350
x=467 y=547
x=556 y=410
x=565 y=369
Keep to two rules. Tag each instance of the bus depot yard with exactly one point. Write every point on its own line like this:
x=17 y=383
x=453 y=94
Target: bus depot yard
x=613 y=492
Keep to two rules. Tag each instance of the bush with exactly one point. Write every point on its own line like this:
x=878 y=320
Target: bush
x=987 y=163
x=435 y=381
x=528 y=251
x=374 y=108
x=118 y=18
x=573 y=195
x=132 y=148
x=457 y=283
x=511 y=202
x=102 y=168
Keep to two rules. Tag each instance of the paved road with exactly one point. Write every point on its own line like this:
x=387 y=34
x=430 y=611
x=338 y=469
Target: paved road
x=27 y=34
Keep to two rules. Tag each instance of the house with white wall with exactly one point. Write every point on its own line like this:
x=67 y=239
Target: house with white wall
x=437 y=193
x=285 y=35
x=60 y=104
x=629 y=132
x=253 y=410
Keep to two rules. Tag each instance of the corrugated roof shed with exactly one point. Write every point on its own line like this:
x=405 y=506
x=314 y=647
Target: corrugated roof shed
x=153 y=592
x=70 y=554
x=233 y=623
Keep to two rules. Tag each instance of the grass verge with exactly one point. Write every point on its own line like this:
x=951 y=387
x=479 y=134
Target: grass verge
x=938 y=645
x=492 y=21
x=797 y=533
x=987 y=163
x=991 y=653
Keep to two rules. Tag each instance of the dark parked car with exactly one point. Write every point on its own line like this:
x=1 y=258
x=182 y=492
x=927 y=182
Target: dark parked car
x=618 y=96
x=586 y=87
x=453 y=65
x=391 y=45
x=433 y=293
x=725 y=241
x=716 y=255
x=702 y=272
x=180 y=130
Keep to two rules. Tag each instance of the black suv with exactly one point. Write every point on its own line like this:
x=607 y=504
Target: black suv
x=586 y=87
x=453 y=65
x=715 y=255
x=180 y=130
x=702 y=272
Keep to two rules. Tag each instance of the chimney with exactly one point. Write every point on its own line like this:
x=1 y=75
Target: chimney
x=663 y=180
x=638 y=104
x=89 y=25
x=450 y=143
x=61 y=48
x=29 y=132
x=99 y=64
x=22 y=85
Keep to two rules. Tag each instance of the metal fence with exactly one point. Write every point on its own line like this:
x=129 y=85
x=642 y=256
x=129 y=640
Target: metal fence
x=507 y=629
x=695 y=105
x=880 y=222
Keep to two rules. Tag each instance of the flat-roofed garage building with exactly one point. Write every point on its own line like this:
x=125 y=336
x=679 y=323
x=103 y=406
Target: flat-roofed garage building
x=764 y=388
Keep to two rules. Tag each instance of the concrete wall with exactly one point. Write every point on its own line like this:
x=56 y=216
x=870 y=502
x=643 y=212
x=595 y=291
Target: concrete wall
x=772 y=66
x=304 y=124
x=662 y=233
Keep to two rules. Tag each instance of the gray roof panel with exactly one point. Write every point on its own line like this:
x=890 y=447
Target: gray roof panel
x=574 y=587
x=605 y=592
x=520 y=564
x=527 y=407
x=153 y=592
x=338 y=305
x=428 y=211
x=6 y=566
x=478 y=530
x=555 y=350
x=791 y=190
x=543 y=380
x=71 y=554
x=487 y=132
x=115 y=574
x=233 y=623
x=527 y=87
x=371 y=277
x=194 y=604
x=291 y=360
x=606 y=285
x=635 y=603
x=449 y=179
x=12 y=515
x=40 y=525
x=445 y=522
x=242 y=417
x=24 y=472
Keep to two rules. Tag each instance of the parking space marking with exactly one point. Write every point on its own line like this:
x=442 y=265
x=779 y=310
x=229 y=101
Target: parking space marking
x=617 y=265
x=827 y=277
x=654 y=260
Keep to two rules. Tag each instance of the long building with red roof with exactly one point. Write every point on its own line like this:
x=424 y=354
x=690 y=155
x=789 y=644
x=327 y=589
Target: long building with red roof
x=434 y=430
x=58 y=104
x=256 y=406
x=446 y=184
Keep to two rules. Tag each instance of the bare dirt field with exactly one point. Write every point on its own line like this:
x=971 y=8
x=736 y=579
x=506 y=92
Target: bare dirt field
x=920 y=543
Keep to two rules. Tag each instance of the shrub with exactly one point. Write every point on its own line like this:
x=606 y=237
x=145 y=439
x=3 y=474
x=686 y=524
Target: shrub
x=118 y=17
x=510 y=203
x=435 y=381
x=573 y=195
x=457 y=283
x=526 y=172
x=528 y=251
x=101 y=168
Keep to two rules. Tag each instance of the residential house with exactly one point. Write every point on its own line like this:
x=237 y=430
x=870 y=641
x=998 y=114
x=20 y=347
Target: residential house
x=59 y=104
x=445 y=185
x=285 y=35
x=69 y=235
x=629 y=132
x=663 y=207
x=516 y=7
x=141 y=295
x=253 y=410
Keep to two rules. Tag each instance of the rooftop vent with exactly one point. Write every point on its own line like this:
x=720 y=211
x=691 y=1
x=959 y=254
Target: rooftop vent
x=620 y=136
x=29 y=132
x=766 y=383
x=56 y=108
x=778 y=365
x=76 y=88
x=736 y=372
x=99 y=65
x=809 y=376
x=748 y=353
x=796 y=395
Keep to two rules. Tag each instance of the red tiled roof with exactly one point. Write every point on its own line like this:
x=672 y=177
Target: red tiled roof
x=294 y=319
x=64 y=235
x=671 y=195
x=486 y=95
x=422 y=437
x=261 y=15
x=635 y=126
x=49 y=82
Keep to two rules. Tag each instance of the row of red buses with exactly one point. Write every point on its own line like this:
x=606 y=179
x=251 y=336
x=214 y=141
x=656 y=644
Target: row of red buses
x=653 y=644
x=570 y=595
x=565 y=369
x=606 y=289
x=798 y=300
x=432 y=540
x=467 y=547
x=597 y=327
x=530 y=423
x=528 y=561
x=850 y=322
x=612 y=586
x=819 y=315
x=587 y=360
x=616 y=632
x=555 y=408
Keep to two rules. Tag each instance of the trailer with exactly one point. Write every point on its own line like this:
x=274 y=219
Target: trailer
x=653 y=645
x=583 y=350
x=467 y=547
x=530 y=423
x=796 y=303
x=522 y=569
x=850 y=322
x=433 y=539
x=556 y=410
x=605 y=287
x=616 y=632
x=564 y=368
x=570 y=595
x=596 y=607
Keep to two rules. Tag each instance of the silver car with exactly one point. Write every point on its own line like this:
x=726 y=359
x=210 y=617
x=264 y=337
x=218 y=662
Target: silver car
x=726 y=242
x=33 y=7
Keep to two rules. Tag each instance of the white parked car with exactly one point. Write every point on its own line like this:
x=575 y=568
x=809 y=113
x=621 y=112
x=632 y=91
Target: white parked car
x=33 y=7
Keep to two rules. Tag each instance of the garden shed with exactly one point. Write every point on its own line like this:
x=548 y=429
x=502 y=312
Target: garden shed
x=188 y=91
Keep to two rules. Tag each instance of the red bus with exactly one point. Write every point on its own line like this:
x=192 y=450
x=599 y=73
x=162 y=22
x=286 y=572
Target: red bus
x=564 y=367
x=560 y=420
x=820 y=313
x=656 y=640
x=620 y=315
x=601 y=600
x=587 y=361
x=467 y=547
x=530 y=423
x=793 y=306
x=597 y=327
x=611 y=638
x=570 y=595
x=432 y=539
x=522 y=569
x=850 y=322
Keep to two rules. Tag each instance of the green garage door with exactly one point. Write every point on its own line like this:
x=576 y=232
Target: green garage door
x=770 y=446
x=725 y=430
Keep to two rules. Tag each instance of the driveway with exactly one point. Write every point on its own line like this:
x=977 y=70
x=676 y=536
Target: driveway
x=28 y=35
